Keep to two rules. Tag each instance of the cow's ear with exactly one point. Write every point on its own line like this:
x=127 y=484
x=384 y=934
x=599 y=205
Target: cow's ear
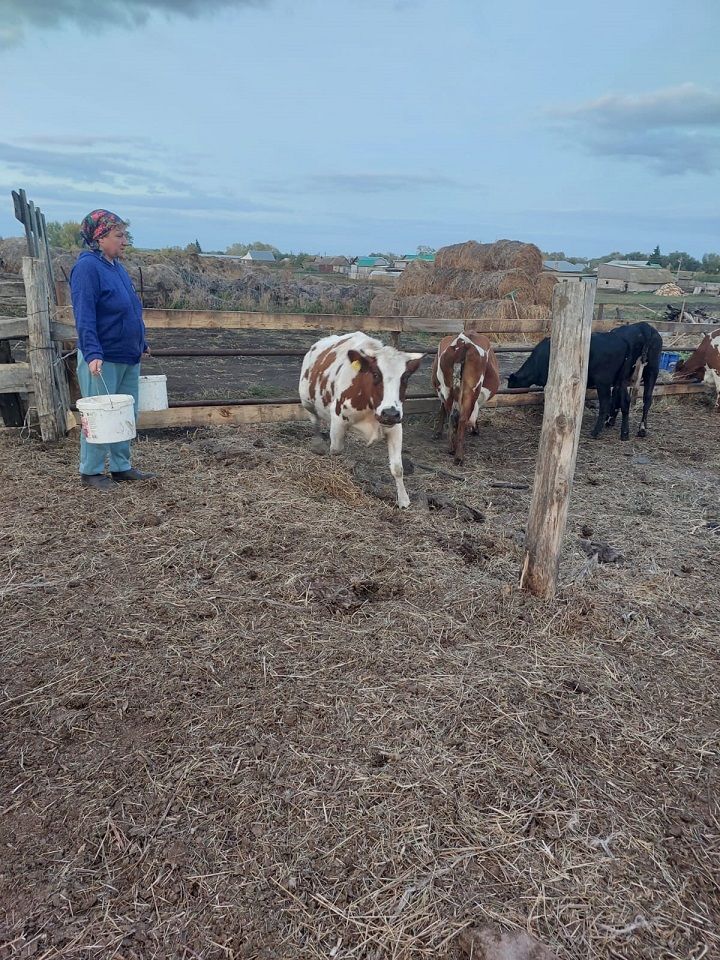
x=414 y=361
x=358 y=360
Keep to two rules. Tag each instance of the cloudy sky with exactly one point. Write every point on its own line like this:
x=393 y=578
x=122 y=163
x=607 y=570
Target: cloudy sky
x=334 y=126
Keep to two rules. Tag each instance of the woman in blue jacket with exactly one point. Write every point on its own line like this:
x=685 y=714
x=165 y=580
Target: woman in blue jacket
x=111 y=339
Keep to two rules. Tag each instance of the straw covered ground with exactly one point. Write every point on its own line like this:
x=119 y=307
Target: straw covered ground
x=257 y=712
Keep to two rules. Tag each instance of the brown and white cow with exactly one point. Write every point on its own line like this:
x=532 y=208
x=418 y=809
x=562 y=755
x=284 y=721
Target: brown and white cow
x=462 y=392
x=703 y=364
x=358 y=382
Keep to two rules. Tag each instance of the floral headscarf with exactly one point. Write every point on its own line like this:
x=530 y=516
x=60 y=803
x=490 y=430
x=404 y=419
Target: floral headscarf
x=97 y=224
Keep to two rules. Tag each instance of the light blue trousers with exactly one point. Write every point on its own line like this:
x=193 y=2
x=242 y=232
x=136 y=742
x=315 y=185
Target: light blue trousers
x=119 y=378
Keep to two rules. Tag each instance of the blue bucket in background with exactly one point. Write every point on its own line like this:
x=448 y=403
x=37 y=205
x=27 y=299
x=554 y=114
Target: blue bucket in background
x=668 y=360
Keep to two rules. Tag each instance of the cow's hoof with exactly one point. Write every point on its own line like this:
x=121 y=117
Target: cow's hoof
x=458 y=461
x=404 y=504
x=624 y=436
x=642 y=433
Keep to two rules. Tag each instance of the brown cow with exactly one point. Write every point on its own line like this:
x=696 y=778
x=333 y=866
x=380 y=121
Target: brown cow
x=703 y=364
x=354 y=381
x=463 y=392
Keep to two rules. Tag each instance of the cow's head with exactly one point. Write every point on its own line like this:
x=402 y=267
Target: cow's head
x=695 y=366
x=385 y=374
x=534 y=370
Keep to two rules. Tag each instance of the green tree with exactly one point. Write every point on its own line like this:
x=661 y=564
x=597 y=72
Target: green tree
x=240 y=249
x=656 y=257
x=680 y=259
x=711 y=262
x=193 y=247
x=64 y=235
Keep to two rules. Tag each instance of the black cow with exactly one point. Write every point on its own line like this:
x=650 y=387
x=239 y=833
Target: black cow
x=644 y=347
x=612 y=359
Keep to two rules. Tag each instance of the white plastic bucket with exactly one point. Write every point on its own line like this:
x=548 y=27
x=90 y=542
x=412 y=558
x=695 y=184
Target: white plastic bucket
x=153 y=393
x=107 y=419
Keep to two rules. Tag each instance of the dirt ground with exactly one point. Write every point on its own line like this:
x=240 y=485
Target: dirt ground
x=254 y=711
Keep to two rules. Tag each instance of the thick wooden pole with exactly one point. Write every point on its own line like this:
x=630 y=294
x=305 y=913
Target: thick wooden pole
x=572 y=313
x=41 y=353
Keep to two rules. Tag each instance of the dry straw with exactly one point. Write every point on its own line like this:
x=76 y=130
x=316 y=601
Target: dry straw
x=253 y=712
x=473 y=280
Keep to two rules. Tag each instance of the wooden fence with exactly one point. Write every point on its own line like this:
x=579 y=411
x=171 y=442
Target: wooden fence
x=50 y=333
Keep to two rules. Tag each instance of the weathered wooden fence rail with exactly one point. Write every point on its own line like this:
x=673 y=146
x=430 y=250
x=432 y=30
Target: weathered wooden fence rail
x=59 y=328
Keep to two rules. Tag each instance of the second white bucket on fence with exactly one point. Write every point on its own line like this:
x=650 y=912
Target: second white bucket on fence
x=152 y=393
x=107 y=419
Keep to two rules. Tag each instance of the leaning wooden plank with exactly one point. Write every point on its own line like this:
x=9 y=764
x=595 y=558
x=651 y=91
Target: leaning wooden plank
x=15 y=378
x=13 y=328
x=40 y=351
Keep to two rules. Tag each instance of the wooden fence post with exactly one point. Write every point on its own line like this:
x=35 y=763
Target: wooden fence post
x=572 y=313
x=41 y=353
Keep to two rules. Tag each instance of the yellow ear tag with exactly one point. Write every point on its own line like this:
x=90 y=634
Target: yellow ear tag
x=356 y=365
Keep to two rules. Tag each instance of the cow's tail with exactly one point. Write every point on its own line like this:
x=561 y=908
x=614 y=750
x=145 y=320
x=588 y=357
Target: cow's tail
x=459 y=351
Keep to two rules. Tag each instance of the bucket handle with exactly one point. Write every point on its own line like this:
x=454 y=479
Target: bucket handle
x=112 y=407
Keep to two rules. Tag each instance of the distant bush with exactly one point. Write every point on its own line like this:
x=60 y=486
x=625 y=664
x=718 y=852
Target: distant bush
x=64 y=235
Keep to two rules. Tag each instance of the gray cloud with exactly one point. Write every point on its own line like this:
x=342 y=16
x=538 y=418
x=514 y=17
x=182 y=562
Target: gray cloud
x=51 y=14
x=209 y=205
x=674 y=131
x=74 y=166
x=83 y=178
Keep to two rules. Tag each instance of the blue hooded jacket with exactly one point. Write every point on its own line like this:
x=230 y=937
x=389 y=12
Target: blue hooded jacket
x=108 y=312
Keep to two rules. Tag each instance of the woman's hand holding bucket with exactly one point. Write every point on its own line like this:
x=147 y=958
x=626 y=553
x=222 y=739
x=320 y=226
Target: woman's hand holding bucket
x=95 y=367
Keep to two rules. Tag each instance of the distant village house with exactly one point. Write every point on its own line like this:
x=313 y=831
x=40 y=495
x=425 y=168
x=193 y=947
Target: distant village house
x=632 y=276
x=330 y=264
x=364 y=266
x=260 y=256
x=563 y=269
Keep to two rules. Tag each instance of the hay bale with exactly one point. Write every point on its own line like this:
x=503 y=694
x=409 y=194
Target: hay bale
x=483 y=257
x=415 y=279
x=430 y=306
x=441 y=279
x=519 y=283
x=515 y=255
x=462 y=256
x=493 y=285
x=488 y=309
x=544 y=286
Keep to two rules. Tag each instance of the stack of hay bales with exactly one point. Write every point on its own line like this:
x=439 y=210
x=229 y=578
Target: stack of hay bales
x=472 y=280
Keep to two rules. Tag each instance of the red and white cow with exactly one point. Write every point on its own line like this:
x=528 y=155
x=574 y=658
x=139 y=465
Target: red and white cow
x=703 y=364
x=358 y=382
x=462 y=392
